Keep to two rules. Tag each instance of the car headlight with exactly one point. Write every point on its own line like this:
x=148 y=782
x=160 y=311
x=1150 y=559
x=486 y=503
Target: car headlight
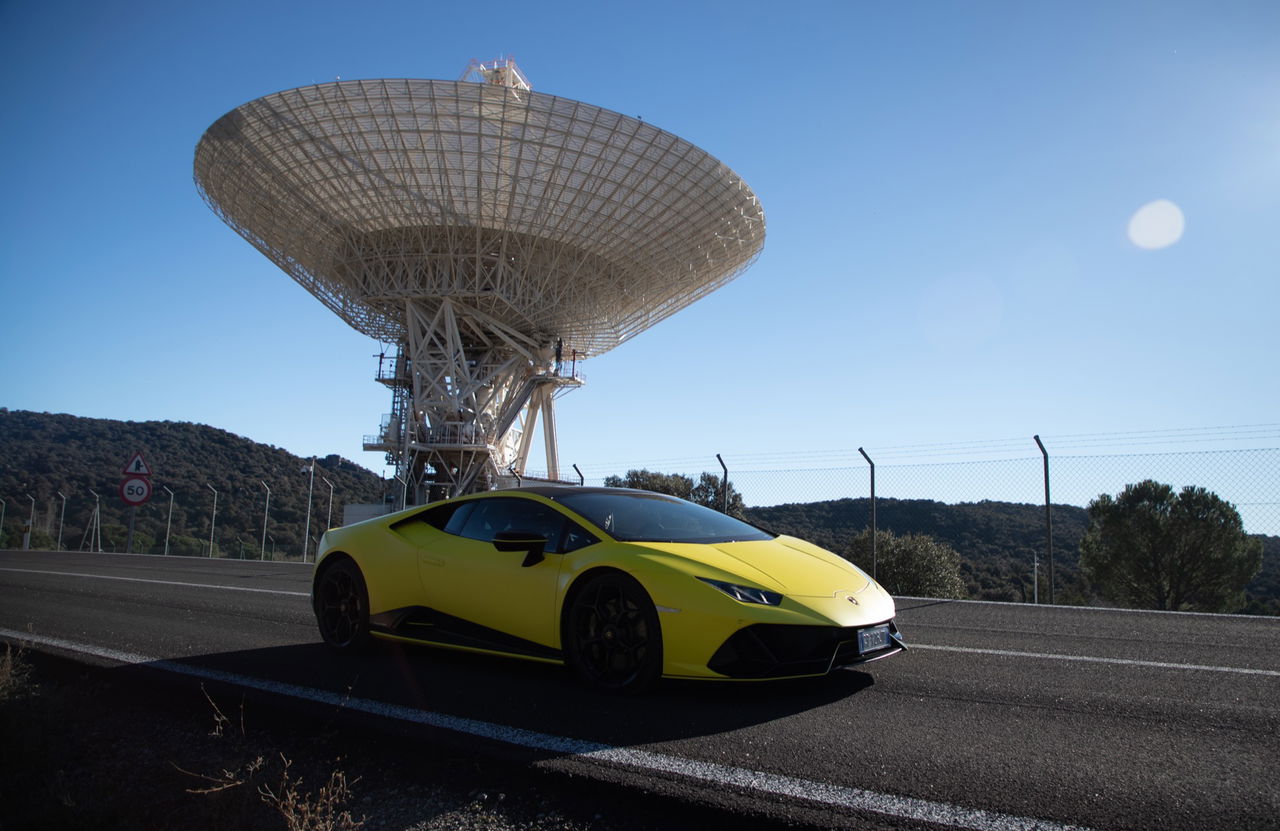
x=745 y=594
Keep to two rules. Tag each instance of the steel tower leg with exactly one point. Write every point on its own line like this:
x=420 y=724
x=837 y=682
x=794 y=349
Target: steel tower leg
x=540 y=404
x=547 y=393
x=469 y=391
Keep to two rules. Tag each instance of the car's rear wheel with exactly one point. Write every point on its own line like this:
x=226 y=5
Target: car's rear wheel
x=342 y=607
x=612 y=638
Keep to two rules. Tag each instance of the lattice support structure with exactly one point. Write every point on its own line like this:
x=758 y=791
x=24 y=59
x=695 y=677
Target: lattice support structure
x=472 y=379
x=477 y=228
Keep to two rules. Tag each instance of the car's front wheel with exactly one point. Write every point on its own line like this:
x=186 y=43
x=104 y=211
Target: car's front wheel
x=611 y=637
x=342 y=607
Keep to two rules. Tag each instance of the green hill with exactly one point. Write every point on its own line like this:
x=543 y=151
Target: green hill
x=997 y=543
x=46 y=453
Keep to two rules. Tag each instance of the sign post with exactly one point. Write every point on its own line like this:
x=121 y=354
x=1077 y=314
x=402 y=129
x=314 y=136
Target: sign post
x=135 y=490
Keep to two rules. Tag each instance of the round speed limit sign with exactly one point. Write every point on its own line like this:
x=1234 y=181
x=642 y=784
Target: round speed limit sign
x=135 y=490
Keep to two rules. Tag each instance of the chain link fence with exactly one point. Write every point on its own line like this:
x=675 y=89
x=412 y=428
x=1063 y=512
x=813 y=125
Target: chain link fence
x=1249 y=479
x=1002 y=565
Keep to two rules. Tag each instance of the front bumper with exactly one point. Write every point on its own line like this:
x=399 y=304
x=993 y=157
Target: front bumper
x=768 y=650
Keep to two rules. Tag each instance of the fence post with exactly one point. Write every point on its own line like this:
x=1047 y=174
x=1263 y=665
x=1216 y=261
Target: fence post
x=62 y=518
x=31 y=525
x=306 y=526
x=168 y=524
x=724 y=502
x=873 y=511
x=266 y=509
x=1048 y=516
x=213 y=517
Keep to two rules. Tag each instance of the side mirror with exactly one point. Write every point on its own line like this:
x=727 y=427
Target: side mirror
x=534 y=544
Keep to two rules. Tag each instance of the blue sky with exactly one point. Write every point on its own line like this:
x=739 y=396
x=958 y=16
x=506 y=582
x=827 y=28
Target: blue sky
x=948 y=189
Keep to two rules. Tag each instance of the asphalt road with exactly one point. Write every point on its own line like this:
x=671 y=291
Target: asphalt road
x=1000 y=717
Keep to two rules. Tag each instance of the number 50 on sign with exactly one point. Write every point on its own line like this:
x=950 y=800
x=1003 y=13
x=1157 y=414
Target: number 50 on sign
x=135 y=490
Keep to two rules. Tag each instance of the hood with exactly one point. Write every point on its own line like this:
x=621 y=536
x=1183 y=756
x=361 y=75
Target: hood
x=786 y=564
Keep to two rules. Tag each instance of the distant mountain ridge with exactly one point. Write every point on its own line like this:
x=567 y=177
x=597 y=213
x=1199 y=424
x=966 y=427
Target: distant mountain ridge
x=998 y=543
x=44 y=453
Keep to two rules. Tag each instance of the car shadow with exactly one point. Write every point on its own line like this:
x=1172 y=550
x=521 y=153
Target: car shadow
x=418 y=687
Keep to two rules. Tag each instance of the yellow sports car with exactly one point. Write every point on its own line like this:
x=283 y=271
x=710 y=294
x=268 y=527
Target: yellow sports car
x=622 y=585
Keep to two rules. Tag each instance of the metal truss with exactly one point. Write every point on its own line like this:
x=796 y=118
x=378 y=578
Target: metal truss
x=476 y=227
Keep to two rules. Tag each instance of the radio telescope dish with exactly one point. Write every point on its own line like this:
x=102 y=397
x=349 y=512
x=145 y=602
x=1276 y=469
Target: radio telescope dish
x=493 y=235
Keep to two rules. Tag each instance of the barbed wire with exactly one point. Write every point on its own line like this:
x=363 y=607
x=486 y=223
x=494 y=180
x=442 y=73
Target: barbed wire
x=1258 y=433
x=1249 y=478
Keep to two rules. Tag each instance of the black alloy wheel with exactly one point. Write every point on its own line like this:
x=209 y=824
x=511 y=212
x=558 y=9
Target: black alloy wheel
x=612 y=638
x=342 y=607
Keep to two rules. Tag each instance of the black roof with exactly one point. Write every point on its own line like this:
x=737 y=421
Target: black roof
x=553 y=491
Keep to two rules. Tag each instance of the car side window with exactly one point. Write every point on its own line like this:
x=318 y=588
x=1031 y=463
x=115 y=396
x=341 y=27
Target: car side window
x=458 y=519
x=439 y=516
x=483 y=519
x=575 y=537
x=494 y=516
x=491 y=517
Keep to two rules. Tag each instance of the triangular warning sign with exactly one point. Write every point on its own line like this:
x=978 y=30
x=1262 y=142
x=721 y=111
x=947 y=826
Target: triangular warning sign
x=137 y=466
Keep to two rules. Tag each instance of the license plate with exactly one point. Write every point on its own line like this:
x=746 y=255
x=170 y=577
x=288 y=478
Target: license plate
x=869 y=640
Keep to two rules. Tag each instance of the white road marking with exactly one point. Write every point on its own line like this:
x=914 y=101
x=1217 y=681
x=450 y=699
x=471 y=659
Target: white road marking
x=911 y=645
x=157 y=582
x=1091 y=659
x=1047 y=609
x=770 y=784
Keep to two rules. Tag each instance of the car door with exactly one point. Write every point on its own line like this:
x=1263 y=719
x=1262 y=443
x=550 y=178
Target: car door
x=467 y=577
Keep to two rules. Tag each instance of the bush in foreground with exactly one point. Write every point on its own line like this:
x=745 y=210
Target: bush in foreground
x=915 y=565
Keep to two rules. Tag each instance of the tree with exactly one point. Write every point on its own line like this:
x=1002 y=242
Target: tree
x=709 y=491
x=50 y=454
x=41 y=540
x=672 y=484
x=181 y=545
x=1152 y=548
x=912 y=564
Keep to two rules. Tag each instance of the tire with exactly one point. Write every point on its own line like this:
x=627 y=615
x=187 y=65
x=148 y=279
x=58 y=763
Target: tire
x=342 y=607
x=611 y=635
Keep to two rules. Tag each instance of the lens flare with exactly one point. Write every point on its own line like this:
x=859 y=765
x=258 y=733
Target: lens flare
x=1157 y=224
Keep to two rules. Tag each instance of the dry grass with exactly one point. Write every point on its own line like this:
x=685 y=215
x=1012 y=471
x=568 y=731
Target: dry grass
x=323 y=811
x=78 y=753
x=15 y=673
x=108 y=749
x=301 y=810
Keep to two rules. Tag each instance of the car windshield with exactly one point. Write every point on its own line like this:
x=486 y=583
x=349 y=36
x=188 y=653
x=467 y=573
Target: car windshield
x=641 y=516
